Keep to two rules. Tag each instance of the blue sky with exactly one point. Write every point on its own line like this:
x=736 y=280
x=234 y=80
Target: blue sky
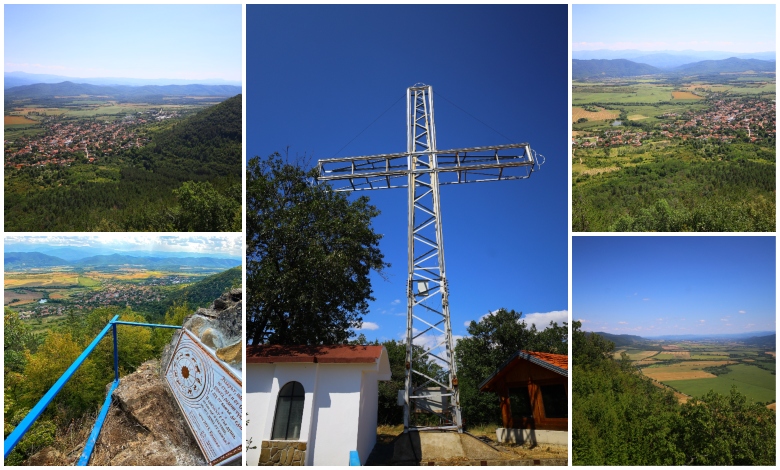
x=195 y=42
x=319 y=75
x=650 y=286
x=206 y=245
x=731 y=28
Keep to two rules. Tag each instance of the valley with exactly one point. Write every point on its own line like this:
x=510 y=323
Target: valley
x=45 y=293
x=693 y=368
x=674 y=152
x=83 y=157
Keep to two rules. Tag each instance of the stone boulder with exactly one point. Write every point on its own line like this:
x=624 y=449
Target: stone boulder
x=144 y=425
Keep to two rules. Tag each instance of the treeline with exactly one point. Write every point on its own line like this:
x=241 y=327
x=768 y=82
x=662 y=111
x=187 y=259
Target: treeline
x=187 y=179
x=717 y=188
x=32 y=364
x=619 y=417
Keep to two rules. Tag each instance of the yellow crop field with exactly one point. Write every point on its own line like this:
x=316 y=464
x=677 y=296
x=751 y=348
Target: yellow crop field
x=602 y=114
x=8 y=120
x=636 y=117
x=685 y=95
x=51 y=279
x=683 y=371
x=675 y=355
x=679 y=375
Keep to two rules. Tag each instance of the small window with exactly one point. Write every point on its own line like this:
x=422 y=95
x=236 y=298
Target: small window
x=520 y=403
x=289 y=413
x=555 y=401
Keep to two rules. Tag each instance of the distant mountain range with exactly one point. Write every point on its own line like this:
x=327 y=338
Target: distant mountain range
x=750 y=337
x=616 y=68
x=610 y=68
x=26 y=260
x=669 y=59
x=50 y=90
x=13 y=79
x=73 y=253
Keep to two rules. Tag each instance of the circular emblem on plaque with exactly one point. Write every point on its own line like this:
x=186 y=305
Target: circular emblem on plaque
x=191 y=374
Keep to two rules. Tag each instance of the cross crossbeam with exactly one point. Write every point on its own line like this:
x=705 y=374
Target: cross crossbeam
x=422 y=169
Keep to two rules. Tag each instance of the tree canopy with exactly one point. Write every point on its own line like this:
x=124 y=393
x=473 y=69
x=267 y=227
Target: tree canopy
x=620 y=417
x=309 y=254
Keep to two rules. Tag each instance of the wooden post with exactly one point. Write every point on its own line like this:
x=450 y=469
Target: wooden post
x=506 y=407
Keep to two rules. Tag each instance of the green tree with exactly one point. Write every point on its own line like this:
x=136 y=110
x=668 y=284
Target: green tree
x=309 y=254
x=492 y=341
x=727 y=430
x=204 y=209
x=17 y=340
x=389 y=412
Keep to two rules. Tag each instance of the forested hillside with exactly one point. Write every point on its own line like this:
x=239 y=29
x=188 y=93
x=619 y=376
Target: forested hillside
x=188 y=178
x=200 y=294
x=620 y=417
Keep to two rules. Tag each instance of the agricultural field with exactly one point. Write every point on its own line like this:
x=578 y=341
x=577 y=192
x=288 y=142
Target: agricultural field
x=692 y=368
x=757 y=384
x=658 y=155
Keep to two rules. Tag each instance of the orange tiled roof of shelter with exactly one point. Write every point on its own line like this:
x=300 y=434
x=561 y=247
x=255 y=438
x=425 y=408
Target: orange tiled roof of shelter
x=323 y=354
x=559 y=360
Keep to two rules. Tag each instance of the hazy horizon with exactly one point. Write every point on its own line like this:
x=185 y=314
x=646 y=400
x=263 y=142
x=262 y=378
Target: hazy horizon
x=152 y=79
x=220 y=245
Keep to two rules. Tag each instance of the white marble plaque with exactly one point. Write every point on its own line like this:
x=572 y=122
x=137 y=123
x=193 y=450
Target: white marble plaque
x=209 y=396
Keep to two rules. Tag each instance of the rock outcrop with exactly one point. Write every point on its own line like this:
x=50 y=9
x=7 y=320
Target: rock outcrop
x=144 y=425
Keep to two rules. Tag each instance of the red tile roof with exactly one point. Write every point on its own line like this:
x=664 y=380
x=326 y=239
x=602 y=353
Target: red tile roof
x=333 y=354
x=559 y=360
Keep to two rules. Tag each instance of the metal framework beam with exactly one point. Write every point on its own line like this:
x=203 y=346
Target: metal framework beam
x=422 y=169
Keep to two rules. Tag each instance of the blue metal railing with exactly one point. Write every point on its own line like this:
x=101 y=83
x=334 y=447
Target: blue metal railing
x=21 y=429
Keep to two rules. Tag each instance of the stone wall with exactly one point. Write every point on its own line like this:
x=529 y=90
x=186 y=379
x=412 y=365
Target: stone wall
x=282 y=453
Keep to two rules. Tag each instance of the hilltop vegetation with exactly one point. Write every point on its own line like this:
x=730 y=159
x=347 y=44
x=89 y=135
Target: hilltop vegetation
x=186 y=178
x=622 y=418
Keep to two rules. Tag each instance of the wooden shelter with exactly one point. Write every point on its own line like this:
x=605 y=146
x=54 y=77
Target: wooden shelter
x=533 y=388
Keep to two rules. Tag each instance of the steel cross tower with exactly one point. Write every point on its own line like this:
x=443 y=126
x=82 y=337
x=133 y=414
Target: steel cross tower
x=422 y=169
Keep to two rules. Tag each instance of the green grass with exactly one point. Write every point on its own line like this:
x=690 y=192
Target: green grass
x=87 y=282
x=757 y=384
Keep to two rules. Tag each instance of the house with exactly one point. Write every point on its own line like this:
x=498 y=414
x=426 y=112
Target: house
x=533 y=390
x=312 y=405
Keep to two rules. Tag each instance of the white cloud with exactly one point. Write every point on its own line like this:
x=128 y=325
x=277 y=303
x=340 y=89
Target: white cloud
x=542 y=320
x=646 y=299
x=367 y=325
x=395 y=302
x=702 y=321
x=742 y=312
x=622 y=323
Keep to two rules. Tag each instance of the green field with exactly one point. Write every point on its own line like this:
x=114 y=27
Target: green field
x=87 y=282
x=757 y=384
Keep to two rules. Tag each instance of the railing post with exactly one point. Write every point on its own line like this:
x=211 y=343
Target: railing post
x=116 y=355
